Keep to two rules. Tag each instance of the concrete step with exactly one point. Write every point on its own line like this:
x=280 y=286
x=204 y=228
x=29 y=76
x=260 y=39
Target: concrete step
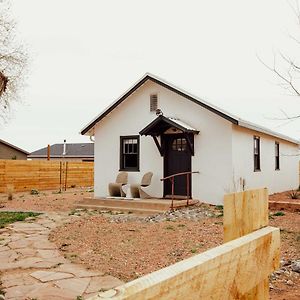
x=155 y=204
x=127 y=203
x=141 y=211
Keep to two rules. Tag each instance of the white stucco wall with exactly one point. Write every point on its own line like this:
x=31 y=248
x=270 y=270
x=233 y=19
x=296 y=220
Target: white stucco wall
x=213 y=146
x=286 y=178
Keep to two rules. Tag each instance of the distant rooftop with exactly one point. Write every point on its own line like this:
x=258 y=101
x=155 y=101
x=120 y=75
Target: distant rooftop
x=13 y=146
x=76 y=150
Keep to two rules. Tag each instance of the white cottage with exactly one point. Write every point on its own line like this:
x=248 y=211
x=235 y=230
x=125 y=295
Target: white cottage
x=157 y=127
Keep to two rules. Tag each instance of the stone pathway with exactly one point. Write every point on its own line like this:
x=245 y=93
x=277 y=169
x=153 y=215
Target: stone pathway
x=31 y=267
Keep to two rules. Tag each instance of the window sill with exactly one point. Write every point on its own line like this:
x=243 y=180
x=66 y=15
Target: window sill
x=257 y=170
x=277 y=169
x=129 y=170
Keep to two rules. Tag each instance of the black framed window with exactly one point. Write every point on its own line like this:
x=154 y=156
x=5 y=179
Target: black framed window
x=277 y=166
x=130 y=153
x=256 y=141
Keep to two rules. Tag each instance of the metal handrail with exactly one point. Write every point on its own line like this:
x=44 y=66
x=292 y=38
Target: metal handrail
x=172 y=177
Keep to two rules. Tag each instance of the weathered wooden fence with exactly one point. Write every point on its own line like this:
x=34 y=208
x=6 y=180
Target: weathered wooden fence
x=24 y=175
x=238 y=269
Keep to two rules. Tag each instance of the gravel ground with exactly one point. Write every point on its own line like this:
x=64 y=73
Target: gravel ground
x=285 y=283
x=115 y=243
x=129 y=246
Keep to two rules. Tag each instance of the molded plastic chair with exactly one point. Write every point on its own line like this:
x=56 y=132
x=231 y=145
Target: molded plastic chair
x=137 y=190
x=116 y=188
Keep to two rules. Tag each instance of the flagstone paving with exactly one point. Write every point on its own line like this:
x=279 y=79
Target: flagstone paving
x=31 y=267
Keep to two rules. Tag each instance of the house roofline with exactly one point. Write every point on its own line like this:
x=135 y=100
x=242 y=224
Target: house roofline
x=165 y=84
x=255 y=127
x=14 y=147
x=222 y=113
x=60 y=156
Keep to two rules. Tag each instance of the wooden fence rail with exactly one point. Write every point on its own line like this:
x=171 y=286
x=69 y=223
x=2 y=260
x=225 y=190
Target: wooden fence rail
x=24 y=175
x=238 y=269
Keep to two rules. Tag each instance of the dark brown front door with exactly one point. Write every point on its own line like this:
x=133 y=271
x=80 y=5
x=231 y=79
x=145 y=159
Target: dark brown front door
x=177 y=159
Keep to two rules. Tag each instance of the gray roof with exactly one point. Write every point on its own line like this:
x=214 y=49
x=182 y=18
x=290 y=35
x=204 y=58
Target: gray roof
x=72 y=150
x=14 y=147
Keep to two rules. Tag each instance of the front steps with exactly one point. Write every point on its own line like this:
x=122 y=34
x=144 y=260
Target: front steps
x=137 y=206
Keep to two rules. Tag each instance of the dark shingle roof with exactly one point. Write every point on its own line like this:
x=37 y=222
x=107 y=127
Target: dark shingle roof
x=72 y=150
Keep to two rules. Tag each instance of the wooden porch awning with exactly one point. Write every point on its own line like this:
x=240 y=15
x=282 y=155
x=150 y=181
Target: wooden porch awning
x=163 y=124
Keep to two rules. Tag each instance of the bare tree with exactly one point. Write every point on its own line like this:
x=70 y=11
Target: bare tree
x=287 y=68
x=13 y=61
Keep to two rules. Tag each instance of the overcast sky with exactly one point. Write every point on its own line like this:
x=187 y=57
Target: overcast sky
x=84 y=54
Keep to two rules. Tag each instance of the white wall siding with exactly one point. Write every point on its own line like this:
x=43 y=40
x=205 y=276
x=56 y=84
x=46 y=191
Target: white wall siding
x=213 y=146
x=243 y=162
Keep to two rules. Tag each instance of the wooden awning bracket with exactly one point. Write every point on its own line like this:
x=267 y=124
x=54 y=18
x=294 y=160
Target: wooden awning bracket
x=189 y=142
x=159 y=147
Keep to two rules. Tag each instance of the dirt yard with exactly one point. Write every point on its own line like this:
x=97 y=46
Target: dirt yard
x=128 y=246
x=44 y=200
x=131 y=249
x=285 y=196
x=128 y=249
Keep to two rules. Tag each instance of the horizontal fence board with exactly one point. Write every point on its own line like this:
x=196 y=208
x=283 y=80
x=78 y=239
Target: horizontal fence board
x=42 y=175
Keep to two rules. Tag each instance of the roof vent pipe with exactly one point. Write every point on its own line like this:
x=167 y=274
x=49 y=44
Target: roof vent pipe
x=65 y=148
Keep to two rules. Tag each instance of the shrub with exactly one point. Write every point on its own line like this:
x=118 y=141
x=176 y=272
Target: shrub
x=34 y=192
x=279 y=214
x=294 y=194
x=219 y=207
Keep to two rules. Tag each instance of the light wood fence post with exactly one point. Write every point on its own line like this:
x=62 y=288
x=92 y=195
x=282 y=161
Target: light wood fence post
x=244 y=213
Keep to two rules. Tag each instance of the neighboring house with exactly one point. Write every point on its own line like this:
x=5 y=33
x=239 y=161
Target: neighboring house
x=9 y=151
x=73 y=152
x=155 y=126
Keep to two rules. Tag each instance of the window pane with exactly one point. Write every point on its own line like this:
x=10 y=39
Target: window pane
x=276 y=149
x=130 y=161
x=179 y=144
x=134 y=148
x=183 y=144
x=256 y=142
x=130 y=148
x=126 y=148
x=276 y=156
x=174 y=147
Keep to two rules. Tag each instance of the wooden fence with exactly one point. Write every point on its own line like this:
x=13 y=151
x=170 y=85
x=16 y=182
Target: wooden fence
x=24 y=175
x=238 y=269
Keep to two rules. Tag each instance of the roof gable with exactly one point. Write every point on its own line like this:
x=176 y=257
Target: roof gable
x=166 y=85
x=218 y=111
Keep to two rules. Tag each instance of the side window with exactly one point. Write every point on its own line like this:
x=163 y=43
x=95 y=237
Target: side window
x=129 y=153
x=256 y=141
x=277 y=163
